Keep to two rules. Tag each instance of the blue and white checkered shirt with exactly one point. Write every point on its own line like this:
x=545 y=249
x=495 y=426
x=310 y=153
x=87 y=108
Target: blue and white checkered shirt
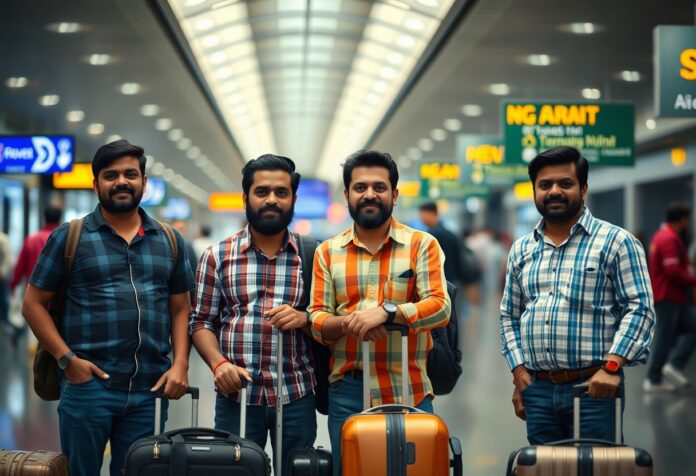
x=567 y=306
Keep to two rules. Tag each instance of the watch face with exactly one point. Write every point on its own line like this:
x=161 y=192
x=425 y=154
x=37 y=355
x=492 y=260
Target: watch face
x=389 y=306
x=611 y=366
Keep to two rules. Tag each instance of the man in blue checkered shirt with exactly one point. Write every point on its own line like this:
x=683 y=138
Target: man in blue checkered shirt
x=577 y=306
x=126 y=310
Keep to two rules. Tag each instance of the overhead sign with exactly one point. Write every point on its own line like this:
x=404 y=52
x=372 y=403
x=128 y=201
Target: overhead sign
x=155 y=193
x=453 y=190
x=603 y=132
x=675 y=71
x=440 y=171
x=36 y=154
x=80 y=177
x=482 y=159
x=226 y=202
x=313 y=199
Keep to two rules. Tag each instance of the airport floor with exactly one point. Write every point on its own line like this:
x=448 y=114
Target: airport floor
x=479 y=411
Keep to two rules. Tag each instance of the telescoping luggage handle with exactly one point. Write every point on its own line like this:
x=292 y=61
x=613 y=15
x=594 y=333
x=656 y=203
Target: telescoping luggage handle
x=405 y=384
x=578 y=391
x=195 y=394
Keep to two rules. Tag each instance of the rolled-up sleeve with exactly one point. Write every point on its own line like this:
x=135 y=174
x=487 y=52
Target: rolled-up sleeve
x=511 y=309
x=205 y=308
x=433 y=308
x=322 y=304
x=634 y=296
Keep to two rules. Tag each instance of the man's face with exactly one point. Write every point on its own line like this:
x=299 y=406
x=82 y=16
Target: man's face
x=120 y=185
x=370 y=197
x=557 y=193
x=270 y=204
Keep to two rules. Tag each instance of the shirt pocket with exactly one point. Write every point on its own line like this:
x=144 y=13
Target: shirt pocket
x=398 y=289
x=582 y=282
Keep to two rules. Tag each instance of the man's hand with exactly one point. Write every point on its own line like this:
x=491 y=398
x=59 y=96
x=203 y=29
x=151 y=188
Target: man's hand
x=359 y=323
x=286 y=317
x=81 y=371
x=228 y=378
x=603 y=385
x=518 y=405
x=175 y=381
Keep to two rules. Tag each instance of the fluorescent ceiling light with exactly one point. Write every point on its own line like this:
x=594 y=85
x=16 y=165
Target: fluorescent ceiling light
x=149 y=110
x=49 y=100
x=16 y=82
x=591 y=93
x=630 y=76
x=204 y=24
x=95 y=129
x=581 y=28
x=75 y=116
x=539 y=60
x=651 y=124
x=65 y=27
x=194 y=3
x=414 y=24
x=175 y=134
x=193 y=153
x=395 y=58
x=499 y=89
x=211 y=41
x=113 y=138
x=168 y=175
x=428 y=3
x=163 y=124
x=158 y=168
x=405 y=41
x=438 y=134
x=425 y=145
x=452 y=124
x=414 y=153
x=130 y=88
x=184 y=143
x=99 y=59
x=472 y=110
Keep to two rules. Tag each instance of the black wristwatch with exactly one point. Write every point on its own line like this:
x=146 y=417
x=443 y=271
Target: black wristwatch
x=65 y=360
x=390 y=307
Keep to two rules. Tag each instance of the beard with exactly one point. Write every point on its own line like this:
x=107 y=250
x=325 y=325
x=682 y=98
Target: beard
x=270 y=224
x=111 y=205
x=552 y=212
x=370 y=220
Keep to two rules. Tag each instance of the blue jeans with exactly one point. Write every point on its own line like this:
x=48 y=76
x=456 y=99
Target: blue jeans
x=345 y=399
x=90 y=415
x=299 y=424
x=549 y=409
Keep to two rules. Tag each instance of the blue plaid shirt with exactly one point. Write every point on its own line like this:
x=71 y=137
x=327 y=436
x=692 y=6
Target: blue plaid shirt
x=116 y=311
x=567 y=306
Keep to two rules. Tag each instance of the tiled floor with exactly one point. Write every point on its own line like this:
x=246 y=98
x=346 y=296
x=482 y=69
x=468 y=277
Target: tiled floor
x=479 y=411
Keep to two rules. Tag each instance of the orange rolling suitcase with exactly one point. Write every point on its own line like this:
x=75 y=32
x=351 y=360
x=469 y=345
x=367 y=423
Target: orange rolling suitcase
x=33 y=463
x=396 y=440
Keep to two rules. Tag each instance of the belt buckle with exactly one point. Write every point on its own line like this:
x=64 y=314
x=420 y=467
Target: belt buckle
x=553 y=373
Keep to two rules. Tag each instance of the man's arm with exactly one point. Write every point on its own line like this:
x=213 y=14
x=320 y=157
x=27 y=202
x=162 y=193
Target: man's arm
x=669 y=255
x=175 y=380
x=226 y=375
x=325 y=325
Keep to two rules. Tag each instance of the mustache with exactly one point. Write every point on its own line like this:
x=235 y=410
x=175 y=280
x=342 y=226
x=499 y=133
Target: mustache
x=555 y=200
x=270 y=208
x=370 y=203
x=121 y=189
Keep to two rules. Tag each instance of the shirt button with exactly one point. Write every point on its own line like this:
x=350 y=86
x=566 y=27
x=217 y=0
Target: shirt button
x=547 y=321
x=554 y=270
x=550 y=293
x=548 y=350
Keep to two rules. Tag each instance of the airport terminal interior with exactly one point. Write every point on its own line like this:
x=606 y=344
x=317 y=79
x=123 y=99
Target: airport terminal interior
x=461 y=93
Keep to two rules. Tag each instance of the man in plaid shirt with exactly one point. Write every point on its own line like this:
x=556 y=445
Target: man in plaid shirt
x=577 y=306
x=248 y=288
x=376 y=272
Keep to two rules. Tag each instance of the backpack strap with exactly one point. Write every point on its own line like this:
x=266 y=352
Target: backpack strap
x=307 y=245
x=171 y=238
x=71 y=242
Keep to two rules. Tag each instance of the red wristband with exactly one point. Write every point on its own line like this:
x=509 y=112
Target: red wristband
x=223 y=361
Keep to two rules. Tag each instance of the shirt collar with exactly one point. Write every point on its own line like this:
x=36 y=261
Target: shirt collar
x=584 y=223
x=246 y=240
x=95 y=220
x=396 y=233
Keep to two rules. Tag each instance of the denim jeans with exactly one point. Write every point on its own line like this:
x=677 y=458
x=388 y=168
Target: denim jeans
x=91 y=414
x=299 y=424
x=549 y=409
x=675 y=323
x=345 y=399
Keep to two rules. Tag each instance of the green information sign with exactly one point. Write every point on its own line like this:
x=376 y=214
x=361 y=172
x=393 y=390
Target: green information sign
x=453 y=190
x=602 y=131
x=482 y=161
x=675 y=71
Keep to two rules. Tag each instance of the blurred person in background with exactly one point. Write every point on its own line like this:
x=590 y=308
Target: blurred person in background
x=673 y=286
x=5 y=264
x=202 y=241
x=191 y=255
x=449 y=243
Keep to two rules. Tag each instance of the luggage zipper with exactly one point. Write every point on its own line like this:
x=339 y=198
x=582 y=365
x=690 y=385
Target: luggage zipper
x=237 y=453
x=156 y=450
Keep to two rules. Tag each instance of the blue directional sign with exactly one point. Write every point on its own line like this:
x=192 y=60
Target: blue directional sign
x=36 y=154
x=155 y=193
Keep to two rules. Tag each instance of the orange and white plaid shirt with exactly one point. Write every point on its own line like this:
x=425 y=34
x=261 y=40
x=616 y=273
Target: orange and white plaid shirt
x=406 y=270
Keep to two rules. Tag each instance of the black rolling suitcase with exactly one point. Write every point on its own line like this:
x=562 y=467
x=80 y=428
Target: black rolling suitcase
x=196 y=451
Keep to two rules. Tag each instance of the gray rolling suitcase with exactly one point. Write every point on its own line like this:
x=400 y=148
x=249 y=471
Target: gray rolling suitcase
x=196 y=451
x=581 y=456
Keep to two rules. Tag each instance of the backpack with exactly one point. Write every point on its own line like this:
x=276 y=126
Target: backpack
x=470 y=267
x=320 y=353
x=45 y=367
x=444 y=359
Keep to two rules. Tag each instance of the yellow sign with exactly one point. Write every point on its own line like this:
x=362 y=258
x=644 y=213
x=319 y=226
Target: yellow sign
x=409 y=189
x=484 y=154
x=524 y=191
x=226 y=202
x=440 y=171
x=80 y=177
x=552 y=114
x=687 y=58
x=678 y=156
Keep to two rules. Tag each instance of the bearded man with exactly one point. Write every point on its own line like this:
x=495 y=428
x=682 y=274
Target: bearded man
x=577 y=306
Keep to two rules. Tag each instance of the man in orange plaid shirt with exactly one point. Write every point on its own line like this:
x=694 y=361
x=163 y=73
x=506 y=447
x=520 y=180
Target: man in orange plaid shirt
x=376 y=272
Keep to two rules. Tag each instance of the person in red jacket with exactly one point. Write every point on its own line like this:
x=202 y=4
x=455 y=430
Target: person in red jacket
x=675 y=316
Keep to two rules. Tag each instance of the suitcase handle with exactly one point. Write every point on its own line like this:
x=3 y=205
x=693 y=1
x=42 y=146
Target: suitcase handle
x=183 y=433
x=580 y=389
x=159 y=395
x=580 y=441
x=193 y=391
x=393 y=408
x=397 y=327
x=456 y=461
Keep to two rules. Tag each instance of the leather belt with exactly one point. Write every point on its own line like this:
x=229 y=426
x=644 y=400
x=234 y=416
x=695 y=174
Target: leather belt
x=567 y=375
x=356 y=374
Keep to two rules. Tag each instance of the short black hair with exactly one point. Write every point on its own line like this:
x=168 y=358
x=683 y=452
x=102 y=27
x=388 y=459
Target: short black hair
x=269 y=162
x=370 y=158
x=677 y=211
x=205 y=230
x=52 y=215
x=428 y=207
x=107 y=153
x=560 y=155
